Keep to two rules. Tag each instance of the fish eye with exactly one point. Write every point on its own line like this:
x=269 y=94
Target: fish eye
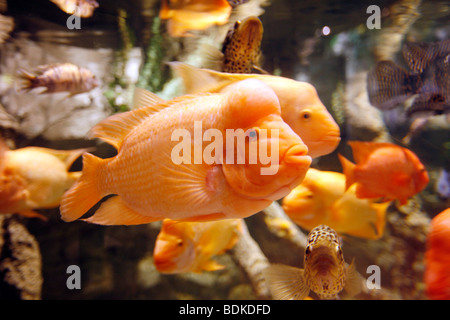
x=338 y=250
x=306 y=115
x=180 y=243
x=252 y=133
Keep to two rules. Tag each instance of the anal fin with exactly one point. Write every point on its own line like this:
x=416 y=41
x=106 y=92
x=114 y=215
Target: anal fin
x=115 y=212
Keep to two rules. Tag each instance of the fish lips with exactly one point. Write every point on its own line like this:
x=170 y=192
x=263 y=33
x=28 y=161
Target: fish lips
x=297 y=154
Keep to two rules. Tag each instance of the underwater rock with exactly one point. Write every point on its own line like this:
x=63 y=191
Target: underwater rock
x=20 y=261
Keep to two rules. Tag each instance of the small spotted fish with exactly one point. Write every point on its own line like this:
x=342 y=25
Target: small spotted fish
x=325 y=271
x=60 y=77
x=241 y=47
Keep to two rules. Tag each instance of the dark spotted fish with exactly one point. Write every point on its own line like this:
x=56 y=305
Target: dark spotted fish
x=426 y=83
x=60 y=77
x=325 y=271
x=241 y=47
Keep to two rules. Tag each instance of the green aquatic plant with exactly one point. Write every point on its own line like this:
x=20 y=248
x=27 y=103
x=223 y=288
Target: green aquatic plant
x=152 y=76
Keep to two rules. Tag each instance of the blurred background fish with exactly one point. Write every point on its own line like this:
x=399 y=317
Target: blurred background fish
x=301 y=107
x=34 y=178
x=81 y=8
x=384 y=170
x=325 y=271
x=190 y=246
x=321 y=198
x=188 y=15
x=150 y=185
x=437 y=257
x=427 y=83
x=443 y=184
x=59 y=77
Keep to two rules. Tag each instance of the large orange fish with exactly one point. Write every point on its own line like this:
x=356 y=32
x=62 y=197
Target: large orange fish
x=301 y=107
x=189 y=246
x=34 y=178
x=321 y=198
x=152 y=181
x=186 y=15
x=384 y=170
x=437 y=257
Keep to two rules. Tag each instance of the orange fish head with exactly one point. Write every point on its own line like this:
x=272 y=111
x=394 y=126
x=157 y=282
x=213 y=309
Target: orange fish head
x=301 y=201
x=272 y=159
x=305 y=113
x=174 y=250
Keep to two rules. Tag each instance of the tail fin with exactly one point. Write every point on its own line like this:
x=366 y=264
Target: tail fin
x=85 y=193
x=348 y=168
x=28 y=79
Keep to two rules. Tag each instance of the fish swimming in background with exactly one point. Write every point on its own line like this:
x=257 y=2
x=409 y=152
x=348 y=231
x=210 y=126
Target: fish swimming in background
x=300 y=105
x=187 y=15
x=325 y=271
x=189 y=246
x=427 y=83
x=321 y=198
x=34 y=178
x=241 y=47
x=384 y=170
x=235 y=3
x=443 y=184
x=437 y=257
x=81 y=8
x=152 y=183
x=60 y=77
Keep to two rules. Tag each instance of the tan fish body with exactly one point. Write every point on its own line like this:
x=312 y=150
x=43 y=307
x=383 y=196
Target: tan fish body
x=300 y=105
x=241 y=47
x=35 y=178
x=150 y=185
x=60 y=77
x=325 y=271
x=190 y=246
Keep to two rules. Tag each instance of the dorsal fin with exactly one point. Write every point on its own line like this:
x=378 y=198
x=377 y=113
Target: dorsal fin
x=144 y=98
x=203 y=80
x=362 y=149
x=114 y=128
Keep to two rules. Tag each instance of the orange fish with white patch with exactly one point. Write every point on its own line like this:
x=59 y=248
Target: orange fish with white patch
x=300 y=105
x=321 y=198
x=186 y=15
x=437 y=257
x=34 y=178
x=189 y=246
x=384 y=170
x=152 y=181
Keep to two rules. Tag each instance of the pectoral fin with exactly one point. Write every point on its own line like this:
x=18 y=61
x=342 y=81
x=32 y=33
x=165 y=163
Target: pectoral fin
x=286 y=282
x=353 y=280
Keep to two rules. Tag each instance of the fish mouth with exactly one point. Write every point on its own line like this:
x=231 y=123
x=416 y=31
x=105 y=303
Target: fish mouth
x=297 y=154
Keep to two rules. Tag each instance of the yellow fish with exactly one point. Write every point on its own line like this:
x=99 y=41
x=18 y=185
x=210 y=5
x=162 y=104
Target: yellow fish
x=300 y=105
x=152 y=181
x=189 y=246
x=321 y=198
x=186 y=15
x=325 y=271
x=34 y=178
